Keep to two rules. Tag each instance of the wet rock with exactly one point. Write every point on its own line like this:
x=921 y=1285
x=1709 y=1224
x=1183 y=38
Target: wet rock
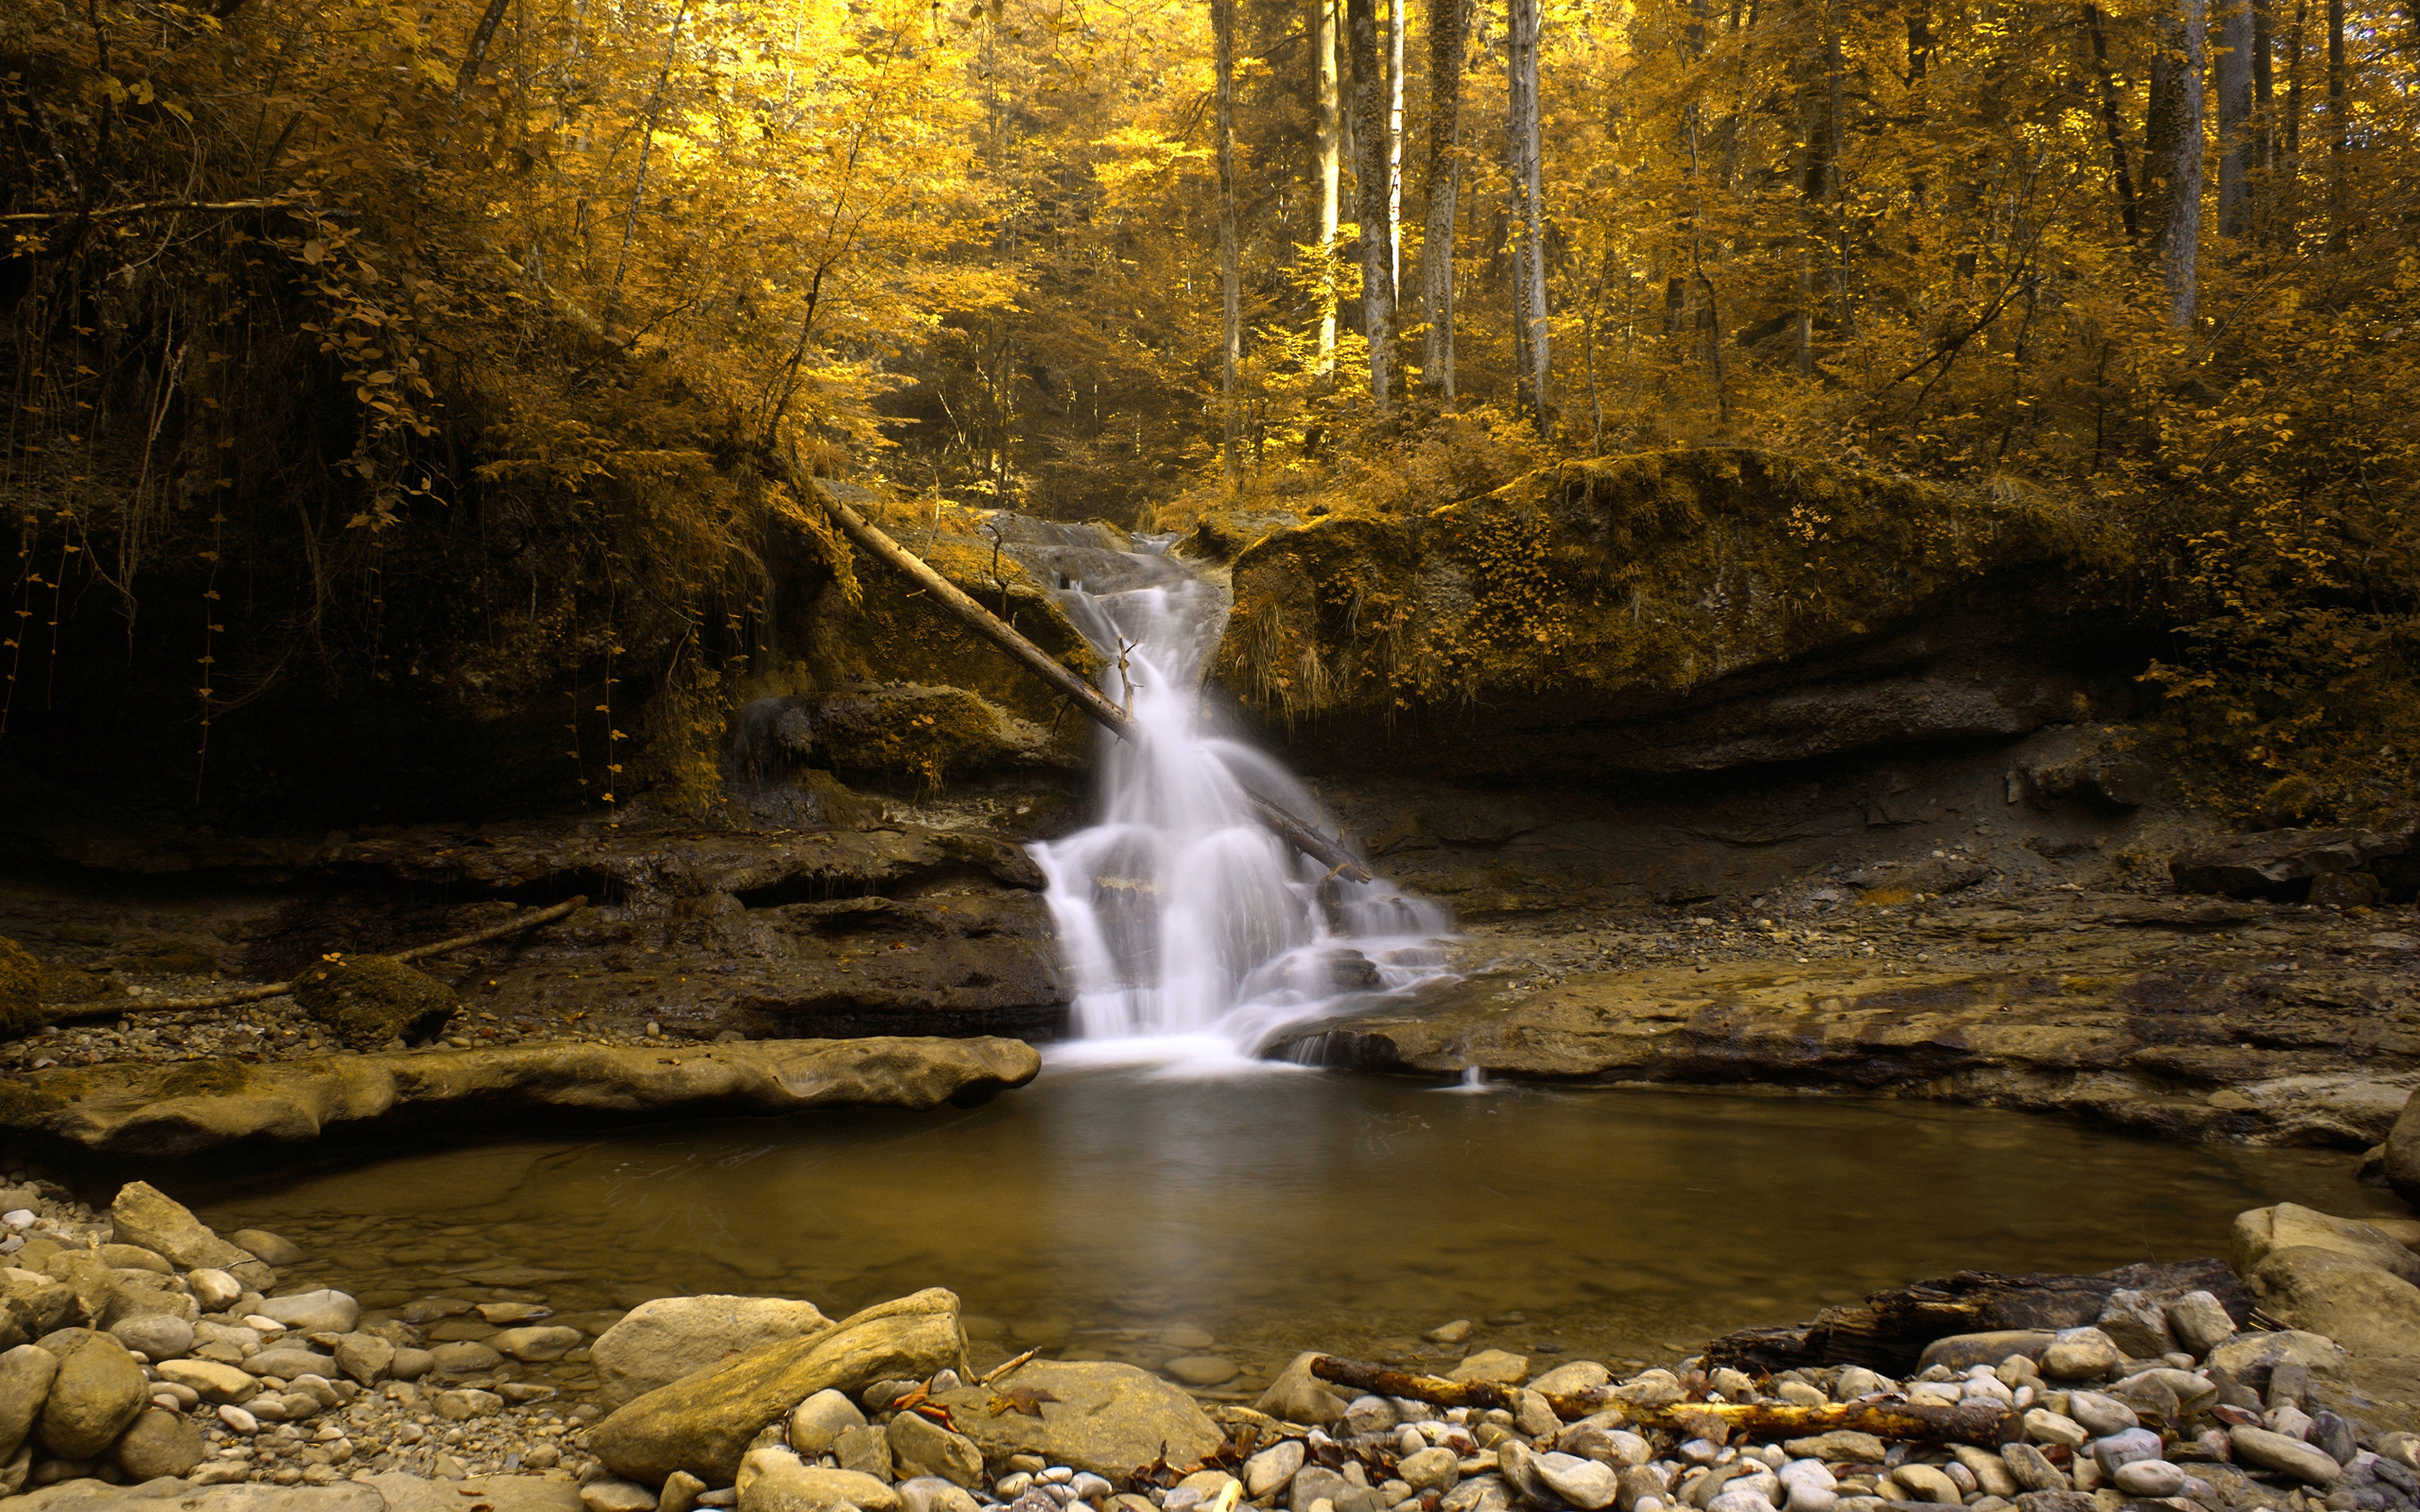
x=1299 y=1396
x=158 y=1443
x=1499 y=1365
x=1202 y=1370
x=1110 y=1419
x=181 y=1107
x=460 y=1357
x=369 y=1000
x=25 y=1374
x=703 y=1422
x=537 y=1345
x=95 y=1395
x=268 y=1247
x=321 y=1312
x=659 y=1342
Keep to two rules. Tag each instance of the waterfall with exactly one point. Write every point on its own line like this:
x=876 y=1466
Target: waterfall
x=1181 y=920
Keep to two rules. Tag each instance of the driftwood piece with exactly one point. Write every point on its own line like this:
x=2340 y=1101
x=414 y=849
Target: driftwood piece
x=1888 y=1331
x=277 y=989
x=1095 y=704
x=1968 y=1422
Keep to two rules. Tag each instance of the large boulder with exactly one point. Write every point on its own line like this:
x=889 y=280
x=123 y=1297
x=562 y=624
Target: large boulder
x=158 y=1443
x=96 y=1395
x=2288 y=1226
x=657 y=1343
x=2283 y=863
x=146 y=1216
x=2362 y=1307
x=1112 y=1420
x=21 y=1011
x=703 y=1424
x=1675 y=611
x=25 y=1374
x=369 y=1000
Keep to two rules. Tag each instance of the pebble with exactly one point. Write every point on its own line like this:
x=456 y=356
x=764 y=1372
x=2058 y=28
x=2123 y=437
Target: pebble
x=1930 y=1483
x=2149 y=1477
x=2080 y=1354
x=2289 y=1456
x=1202 y=1370
x=1272 y=1467
x=1583 y=1483
x=2046 y=1427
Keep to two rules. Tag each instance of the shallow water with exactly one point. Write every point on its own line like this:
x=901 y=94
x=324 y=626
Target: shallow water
x=1279 y=1208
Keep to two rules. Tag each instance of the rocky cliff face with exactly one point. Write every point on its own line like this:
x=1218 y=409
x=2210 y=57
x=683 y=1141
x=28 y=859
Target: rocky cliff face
x=1681 y=611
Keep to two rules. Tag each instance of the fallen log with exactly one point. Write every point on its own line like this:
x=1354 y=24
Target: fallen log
x=874 y=542
x=1969 y=1422
x=277 y=989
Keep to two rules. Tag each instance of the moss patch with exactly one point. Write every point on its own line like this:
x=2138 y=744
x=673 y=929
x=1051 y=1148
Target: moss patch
x=369 y=1000
x=20 y=991
x=1627 y=581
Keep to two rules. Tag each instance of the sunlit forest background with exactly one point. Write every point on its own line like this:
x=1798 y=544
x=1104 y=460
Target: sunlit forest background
x=331 y=320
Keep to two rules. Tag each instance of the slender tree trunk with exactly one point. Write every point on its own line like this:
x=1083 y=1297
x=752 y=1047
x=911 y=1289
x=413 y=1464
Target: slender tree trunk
x=476 y=55
x=1529 y=207
x=1448 y=38
x=2112 y=123
x=1370 y=198
x=2173 y=155
x=2339 y=132
x=1331 y=141
x=1231 y=298
x=638 y=184
x=2234 y=77
x=2295 y=42
x=1395 y=22
x=1921 y=46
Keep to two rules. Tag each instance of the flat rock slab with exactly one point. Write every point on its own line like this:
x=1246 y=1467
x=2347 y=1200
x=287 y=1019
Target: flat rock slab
x=391 y=1492
x=185 y=1106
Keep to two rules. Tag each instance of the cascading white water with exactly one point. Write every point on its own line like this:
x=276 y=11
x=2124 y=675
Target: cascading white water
x=1179 y=914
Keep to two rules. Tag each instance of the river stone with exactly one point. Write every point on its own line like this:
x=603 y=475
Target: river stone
x=919 y=1447
x=2046 y=1427
x=2251 y=1358
x=657 y=1343
x=158 y=1443
x=97 y=1392
x=821 y=1418
x=25 y=1374
x=2287 y=1226
x=2076 y=1354
x=1269 y=1471
x=1202 y=1370
x=270 y=1249
x=2199 y=1322
x=214 y=1289
x=2149 y=1477
x=365 y=1356
x=1961 y=1352
x=21 y=976
x=319 y=1312
x=158 y=1335
x=2123 y=1449
x=1991 y=1472
x=463 y=1357
x=2101 y=1414
x=537 y=1345
x=702 y=1422
x=405 y=1492
x=1583 y=1483
x=931 y=1493
x=617 y=1496
x=211 y=1380
x=2357 y=1304
x=1502 y=1367
x=36 y=1304
x=1111 y=1420
x=2287 y=1456
x=2136 y=1324
x=2031 y=1468
x=1430 y=1469
x=143 y=1215
x=286 y=1362
x=1299 y=1396
x=1841 y=1446
x=1929 y=1481
x=866 y=1450
x=776 y=1479
x=1577 y=1376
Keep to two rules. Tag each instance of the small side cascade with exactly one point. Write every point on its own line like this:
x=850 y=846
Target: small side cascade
x=1181 y=915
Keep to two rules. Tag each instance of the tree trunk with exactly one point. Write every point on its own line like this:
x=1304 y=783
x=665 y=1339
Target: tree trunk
x=1330 y=127
x=2235 y=117
x=1231 y=298
x=2172 y=156
x=1528 y=208
x=2339 y=136
x=1448 y=39
x=1370 y=198
x=2113 y=122
x=1395 y=20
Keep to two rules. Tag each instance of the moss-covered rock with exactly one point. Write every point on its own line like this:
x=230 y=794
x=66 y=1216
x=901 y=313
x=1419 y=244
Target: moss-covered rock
x=929 y=734
x=21 y=1011
x=65 y=985
x=1672 y=611
x=369 y=1000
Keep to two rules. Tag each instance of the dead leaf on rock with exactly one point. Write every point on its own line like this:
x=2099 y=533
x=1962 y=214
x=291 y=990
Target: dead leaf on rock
x=1026 y=1400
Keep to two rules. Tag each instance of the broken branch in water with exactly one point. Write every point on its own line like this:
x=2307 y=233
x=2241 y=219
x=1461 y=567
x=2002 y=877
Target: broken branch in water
x=1971 y=1423
x=277 y=989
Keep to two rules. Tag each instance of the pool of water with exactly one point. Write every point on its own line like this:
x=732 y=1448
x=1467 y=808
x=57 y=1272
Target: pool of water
x=1278 y=1209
